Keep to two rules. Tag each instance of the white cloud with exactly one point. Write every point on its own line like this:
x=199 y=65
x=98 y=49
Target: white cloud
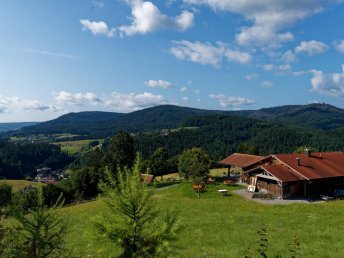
x=146 y=18
x=289 y=57
x=329 y=84
x=183 y=89
x=80 y=99
x=132 y=101
x=98 y=3
x=9 y=103
x=267 y=84
x=97 y=28
x=251 y=76
x=269 y=18
x=279 y=69
x=159 y=84
x=49 y=53
x=226 y=101
x=339 y=45
x=185 y=98
x=311 y=47
x=196 y=91
x=207 y=54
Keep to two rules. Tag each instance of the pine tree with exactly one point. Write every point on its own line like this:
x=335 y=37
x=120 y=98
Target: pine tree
x=130 y=218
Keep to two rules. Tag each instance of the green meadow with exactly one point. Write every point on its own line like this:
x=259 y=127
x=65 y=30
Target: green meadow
x=75 y=147
x=224 y=226
x=19 y=184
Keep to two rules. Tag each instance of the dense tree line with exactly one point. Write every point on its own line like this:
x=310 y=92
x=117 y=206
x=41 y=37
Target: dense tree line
x=20 y=159
x=220 y=136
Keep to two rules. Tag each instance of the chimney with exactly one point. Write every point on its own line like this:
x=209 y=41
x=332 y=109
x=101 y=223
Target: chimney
x=298 y=161
x=307 y=153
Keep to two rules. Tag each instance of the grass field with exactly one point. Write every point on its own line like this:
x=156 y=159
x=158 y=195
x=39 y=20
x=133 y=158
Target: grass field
x=75 y=147
x=18 y=184
x=225 y=226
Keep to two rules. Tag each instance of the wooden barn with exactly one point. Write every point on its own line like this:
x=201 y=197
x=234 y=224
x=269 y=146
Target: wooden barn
x=304 y=175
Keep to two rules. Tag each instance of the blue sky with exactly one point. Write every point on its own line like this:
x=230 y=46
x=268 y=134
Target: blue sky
x=123 y=55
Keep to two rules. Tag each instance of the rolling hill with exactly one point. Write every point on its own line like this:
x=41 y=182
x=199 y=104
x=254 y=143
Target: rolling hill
x=4 y=127
x=104 y=124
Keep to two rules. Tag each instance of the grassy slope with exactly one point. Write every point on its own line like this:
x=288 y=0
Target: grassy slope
x=226 y=226
x=75 y=147
x=18 y=184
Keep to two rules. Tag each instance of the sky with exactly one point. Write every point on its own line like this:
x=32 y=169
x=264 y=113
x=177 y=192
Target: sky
x=125 y=55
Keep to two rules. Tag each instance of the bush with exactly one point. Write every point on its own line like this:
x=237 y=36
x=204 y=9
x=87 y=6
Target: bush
x=263 y=195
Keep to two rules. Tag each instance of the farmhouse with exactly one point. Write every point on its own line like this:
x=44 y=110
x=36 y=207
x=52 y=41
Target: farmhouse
x=304 y=175
x=239 y=162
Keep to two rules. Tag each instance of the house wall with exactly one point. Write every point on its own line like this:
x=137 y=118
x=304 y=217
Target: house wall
x=271 y=186
x=293 y=189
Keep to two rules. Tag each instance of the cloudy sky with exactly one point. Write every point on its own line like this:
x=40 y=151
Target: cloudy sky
x=124 y=55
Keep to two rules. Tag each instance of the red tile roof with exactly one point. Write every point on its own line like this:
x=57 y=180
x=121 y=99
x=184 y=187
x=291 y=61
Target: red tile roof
x=282 y=173
x=317 y=165
x=241 y=160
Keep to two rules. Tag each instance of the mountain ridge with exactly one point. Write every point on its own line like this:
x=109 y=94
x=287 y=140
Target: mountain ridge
x=104 y=124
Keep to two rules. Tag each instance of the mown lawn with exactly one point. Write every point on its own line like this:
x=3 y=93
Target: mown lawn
x=225 y=226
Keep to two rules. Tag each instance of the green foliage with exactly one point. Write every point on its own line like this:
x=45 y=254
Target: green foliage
x=159 y=162
x=18 y=160
x=5 y=195
x=42 y=231
x=302 y=149
x=131 y=218
x=9 y=242
x=120 y=152
x=81 y=184
x=193 y=163
x=24 y=200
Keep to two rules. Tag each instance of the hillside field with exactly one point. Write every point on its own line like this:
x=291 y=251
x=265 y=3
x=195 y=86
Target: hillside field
x=225 y=226
x=19 y=184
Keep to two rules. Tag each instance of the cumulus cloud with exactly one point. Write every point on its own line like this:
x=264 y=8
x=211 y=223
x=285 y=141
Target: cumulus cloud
x=311 y=47
x=267 y=84
x=183 y=89
x=208 y=54
x=8 y=103
x=159 y=84
x=278 y=69
x=146 y=18
x=269 y=18
x=339 y=45
x=185 y=98
x=251 y=76
x=226 y=101
x=329 y=84
x=97 y=28
x=132 y=101
x=80 y=99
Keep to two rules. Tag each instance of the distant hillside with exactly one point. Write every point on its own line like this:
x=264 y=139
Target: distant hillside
x=317 y=116
x=104 y=124
x=4 y=127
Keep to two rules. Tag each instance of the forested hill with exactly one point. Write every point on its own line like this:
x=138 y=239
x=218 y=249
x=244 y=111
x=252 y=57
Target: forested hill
x=222 y=135
x=4 y=127
x=104 y=124
x=317 y=116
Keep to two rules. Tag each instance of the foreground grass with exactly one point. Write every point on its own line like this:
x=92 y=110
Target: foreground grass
x=225 y=226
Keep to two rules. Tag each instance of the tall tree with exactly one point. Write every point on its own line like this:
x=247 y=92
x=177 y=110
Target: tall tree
x=131 y=218
x=120 y=152
x=159 y=162
x=194 y=164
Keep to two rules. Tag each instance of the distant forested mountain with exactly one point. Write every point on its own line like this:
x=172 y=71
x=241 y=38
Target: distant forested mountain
x=106 y=124
x=4 y=127
x=222 y=135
